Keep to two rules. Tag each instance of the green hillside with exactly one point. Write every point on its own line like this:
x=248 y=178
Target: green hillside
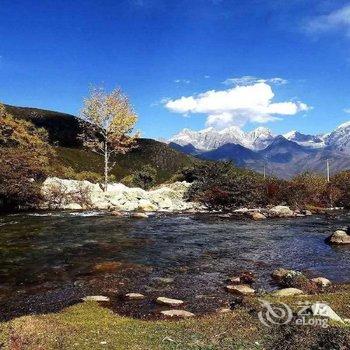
x=159 y=155
x=64 y=128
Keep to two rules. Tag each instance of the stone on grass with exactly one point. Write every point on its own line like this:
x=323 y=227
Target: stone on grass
x=177 y=313
x=134 y=296
x=168 y=301
x=96 y=298
x=321 y=281
x=240 y=289
x=286 y=292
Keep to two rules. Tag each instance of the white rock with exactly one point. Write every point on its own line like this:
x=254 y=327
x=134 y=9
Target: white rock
x=95 y=298
x=177 y=313
x=168 y=301
x=281 y=211
x=321 y=281
x=134 y=296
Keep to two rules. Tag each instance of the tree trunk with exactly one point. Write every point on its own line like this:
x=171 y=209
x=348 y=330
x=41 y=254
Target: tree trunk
x=106 y=167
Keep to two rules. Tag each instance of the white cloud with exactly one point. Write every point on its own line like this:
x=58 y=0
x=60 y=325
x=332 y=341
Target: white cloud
x=236 y=106
x=182 y=81
x=249 y=80
x=338 y=19
x=346 y=110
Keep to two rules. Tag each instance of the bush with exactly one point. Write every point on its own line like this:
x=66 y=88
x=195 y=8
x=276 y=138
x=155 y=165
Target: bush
x=220 y=186
x=24 y=161
x=144 y=178
x=341 y=184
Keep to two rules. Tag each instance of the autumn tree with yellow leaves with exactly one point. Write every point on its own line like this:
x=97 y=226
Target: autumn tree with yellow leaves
x=107 y=122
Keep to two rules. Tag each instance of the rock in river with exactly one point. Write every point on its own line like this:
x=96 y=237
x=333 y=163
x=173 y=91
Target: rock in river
x=257 y=216
x=339 y=237
x=281 y=211
x=168 y=301
x=240 y=289
x=134 y=296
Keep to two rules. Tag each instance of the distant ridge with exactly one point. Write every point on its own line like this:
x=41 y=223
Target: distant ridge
x=281 y=155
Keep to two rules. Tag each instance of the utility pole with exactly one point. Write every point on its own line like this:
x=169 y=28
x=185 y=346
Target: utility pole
x=328 y=172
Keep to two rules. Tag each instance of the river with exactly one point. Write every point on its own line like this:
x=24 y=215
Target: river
x=51 y=260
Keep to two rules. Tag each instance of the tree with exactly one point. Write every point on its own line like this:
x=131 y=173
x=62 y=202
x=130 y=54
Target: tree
x=24 y=160
x=145 y=177
x=107 y=121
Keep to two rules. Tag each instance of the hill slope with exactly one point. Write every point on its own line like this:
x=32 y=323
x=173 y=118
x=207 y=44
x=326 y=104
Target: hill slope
x=63 y=130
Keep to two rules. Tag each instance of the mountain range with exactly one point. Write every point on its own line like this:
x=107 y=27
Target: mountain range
x=280 y=155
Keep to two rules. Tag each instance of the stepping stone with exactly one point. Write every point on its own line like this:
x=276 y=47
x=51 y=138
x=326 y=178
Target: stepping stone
x=286 y=292
x=134 y=296
x=177 y=313
x=168 y=301
x=95 y=298
x=240 y=289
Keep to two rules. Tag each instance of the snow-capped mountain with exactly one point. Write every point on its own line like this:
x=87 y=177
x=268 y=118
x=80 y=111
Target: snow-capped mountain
x=260 y=138
x=210 y=138
x=339 y=139
x=282 y=155
x=311 y=141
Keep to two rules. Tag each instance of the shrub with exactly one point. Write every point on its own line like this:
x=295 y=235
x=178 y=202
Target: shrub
x=220 y=186
x=145 y=177
x=24 y=161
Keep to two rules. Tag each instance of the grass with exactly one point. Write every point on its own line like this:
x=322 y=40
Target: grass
x=91 y=326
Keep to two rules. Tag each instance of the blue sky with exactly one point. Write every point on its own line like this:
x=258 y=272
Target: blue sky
x=161 y=50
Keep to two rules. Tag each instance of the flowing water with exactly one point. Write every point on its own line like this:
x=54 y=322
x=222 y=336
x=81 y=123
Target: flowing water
x=51 y=260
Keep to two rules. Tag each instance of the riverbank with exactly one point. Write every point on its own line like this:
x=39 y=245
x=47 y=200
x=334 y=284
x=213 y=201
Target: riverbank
x=91 y=326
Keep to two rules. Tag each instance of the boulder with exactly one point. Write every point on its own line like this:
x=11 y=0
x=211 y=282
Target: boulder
x=146 y=205
x=240 y=289
x=281 y=211
x=134 y=296
x=235 y=280
x=168 y=301
x=77 y=195
x=177 y=313
x=321 y=281
x=95 y=298
x=257 y=216
x=339 y=237
x=280 y=273
x=286 y=292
